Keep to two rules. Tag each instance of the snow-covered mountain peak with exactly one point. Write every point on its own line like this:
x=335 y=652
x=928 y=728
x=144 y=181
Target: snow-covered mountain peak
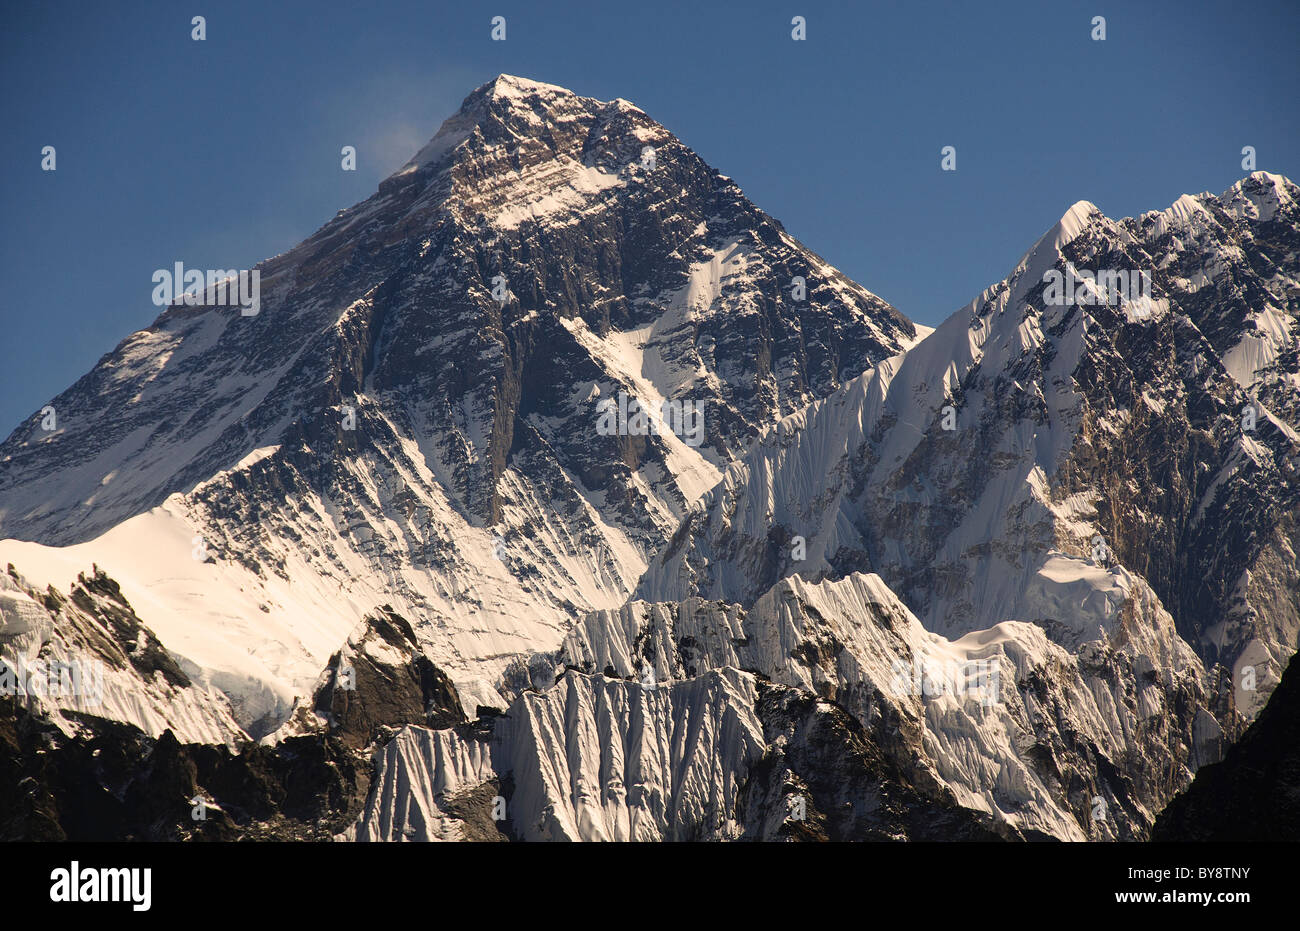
x=1262 y=196
x=514 y=87
x=1073 y=221
x=1059 y=458
x=1044 y=253
x=412 y=416
x=517 y=116
x=505 y=92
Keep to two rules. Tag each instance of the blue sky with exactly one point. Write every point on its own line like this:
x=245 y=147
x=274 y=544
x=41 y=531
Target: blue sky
x=221 y=153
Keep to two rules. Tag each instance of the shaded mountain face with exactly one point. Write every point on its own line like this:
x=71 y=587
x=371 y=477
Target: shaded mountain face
x=110 y=781
x=412 y=417
x=73 y=770
x=1087 y=465
x=1254 y=794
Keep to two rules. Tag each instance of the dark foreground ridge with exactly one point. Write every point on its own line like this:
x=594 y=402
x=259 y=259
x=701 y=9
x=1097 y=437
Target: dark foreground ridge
x=1254 y=794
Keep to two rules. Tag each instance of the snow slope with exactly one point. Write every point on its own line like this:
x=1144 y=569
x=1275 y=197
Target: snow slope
x=647 y=723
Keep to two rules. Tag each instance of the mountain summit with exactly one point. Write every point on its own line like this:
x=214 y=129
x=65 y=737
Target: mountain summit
x=413 y=417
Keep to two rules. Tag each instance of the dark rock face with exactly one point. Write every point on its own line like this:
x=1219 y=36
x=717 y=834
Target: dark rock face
x=128 y=638
x=1254 y=794
x=824 y=779
x=98 y=622
x=473 y=809
x=112 y=782
x=368 y=689
x=1203 y=507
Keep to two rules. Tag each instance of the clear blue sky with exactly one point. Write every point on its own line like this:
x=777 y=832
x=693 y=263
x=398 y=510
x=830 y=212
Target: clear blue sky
x=224 y=152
